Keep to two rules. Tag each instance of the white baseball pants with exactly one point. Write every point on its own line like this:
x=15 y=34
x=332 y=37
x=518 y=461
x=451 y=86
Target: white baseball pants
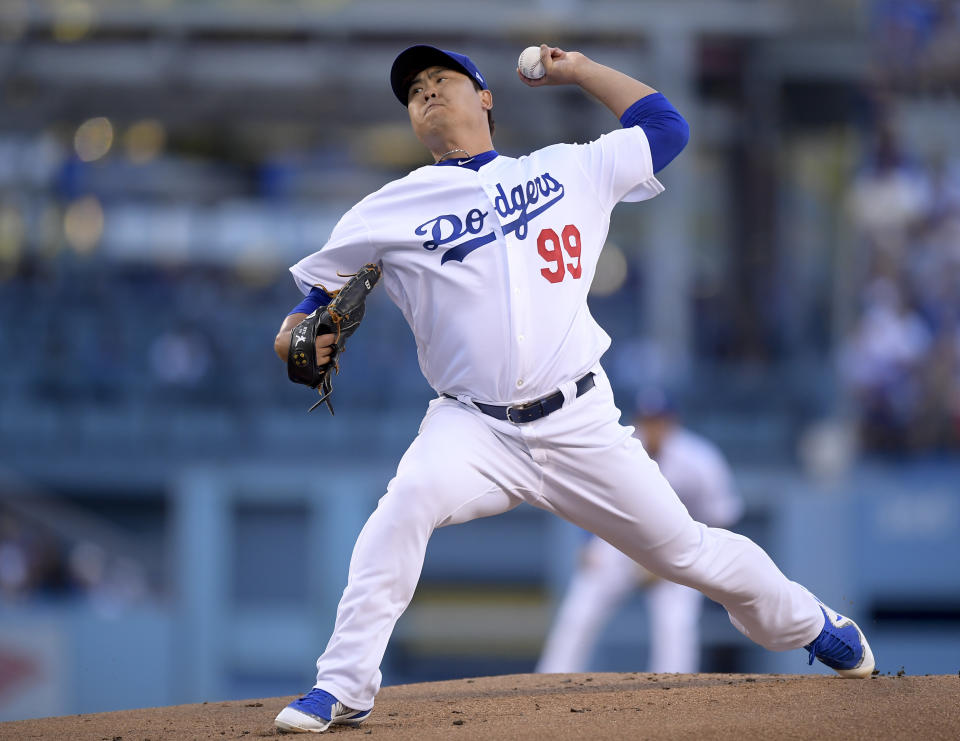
x=604 y=579
x=579 y=463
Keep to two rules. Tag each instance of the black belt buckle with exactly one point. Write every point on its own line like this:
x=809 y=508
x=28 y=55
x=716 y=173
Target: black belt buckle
x=523 y=410
x=532 y=410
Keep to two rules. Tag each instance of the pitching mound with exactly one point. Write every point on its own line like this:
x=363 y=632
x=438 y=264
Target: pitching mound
x=588 y=706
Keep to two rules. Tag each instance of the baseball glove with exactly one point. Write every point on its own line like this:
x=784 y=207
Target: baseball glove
x=340 y=317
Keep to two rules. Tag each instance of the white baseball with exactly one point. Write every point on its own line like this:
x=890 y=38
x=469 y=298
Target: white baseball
x=529 y=63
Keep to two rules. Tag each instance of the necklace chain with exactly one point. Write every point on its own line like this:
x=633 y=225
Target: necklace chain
x=447 y=154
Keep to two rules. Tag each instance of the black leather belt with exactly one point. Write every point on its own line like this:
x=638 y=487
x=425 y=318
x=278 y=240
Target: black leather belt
x=520 y=413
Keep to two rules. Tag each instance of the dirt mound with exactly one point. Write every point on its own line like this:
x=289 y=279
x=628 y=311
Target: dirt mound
x=588 y=706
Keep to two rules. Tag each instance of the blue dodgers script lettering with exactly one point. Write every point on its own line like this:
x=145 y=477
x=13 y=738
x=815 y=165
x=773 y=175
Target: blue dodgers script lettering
x=448 y=228
x=522 y=197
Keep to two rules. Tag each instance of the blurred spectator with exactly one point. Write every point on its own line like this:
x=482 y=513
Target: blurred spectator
x=31 y=561
x=881 y=363
x=37 y=564
x=889 y=197
x=901 y=361
x=111 y=584
x=917 y=44
x=14 y=567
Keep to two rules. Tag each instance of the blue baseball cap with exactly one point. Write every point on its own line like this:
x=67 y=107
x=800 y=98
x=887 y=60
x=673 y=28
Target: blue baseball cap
x=654 y=402
x=417 y=58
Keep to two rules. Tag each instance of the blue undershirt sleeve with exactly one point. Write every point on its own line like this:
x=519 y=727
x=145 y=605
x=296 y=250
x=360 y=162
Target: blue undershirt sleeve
x=667 y=131
x=317 y=297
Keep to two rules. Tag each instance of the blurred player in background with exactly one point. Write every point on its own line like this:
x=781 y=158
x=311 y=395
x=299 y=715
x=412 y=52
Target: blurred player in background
x=605 y=577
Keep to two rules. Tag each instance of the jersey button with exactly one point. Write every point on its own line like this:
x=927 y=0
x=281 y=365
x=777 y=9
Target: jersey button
x=520 y=338
x=519 y=383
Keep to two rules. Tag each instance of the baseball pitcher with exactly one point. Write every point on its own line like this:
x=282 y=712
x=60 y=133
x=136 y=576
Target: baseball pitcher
x=490 y=258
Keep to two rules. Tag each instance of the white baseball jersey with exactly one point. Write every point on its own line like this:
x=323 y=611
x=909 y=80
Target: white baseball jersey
x=491 y=268
x=700 y=476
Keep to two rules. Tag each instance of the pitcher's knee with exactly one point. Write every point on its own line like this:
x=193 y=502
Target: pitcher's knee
x=681 y=558
x=404 y=515
x=416 y=498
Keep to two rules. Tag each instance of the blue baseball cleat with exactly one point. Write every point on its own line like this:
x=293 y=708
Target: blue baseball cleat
x=316 y=711
x=842 y=646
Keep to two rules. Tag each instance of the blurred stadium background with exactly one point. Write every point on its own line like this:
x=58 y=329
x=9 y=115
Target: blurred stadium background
x=175 y=528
